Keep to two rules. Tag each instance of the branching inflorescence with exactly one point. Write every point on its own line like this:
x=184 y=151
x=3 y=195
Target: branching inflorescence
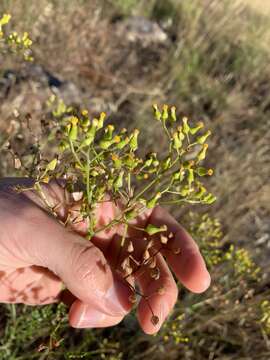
x=99 y=164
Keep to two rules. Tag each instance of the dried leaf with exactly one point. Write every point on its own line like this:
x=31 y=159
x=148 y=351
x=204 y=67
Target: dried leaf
x=130 y=247
x=17 y=163
x=150 y=244
x=77 y=195
x=146 y=255
x=155 y=273
x=125 y=263
x=163 y=239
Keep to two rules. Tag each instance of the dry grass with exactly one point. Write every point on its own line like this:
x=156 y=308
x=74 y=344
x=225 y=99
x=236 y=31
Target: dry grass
x=214 y=66
x=262 y=6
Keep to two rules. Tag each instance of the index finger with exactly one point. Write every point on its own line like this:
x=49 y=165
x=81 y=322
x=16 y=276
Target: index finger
x=188 y=265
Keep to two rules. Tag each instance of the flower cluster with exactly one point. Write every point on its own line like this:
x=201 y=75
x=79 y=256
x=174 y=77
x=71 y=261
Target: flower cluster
x=13 y=42
x=265 y=318
x=242 y=262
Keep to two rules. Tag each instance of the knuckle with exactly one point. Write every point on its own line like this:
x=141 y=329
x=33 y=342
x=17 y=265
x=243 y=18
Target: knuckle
x=85 y=261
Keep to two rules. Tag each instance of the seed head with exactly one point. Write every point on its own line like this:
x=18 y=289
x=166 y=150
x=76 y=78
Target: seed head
x=154 y=320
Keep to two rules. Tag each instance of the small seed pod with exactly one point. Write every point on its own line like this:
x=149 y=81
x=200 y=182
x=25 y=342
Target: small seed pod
x=152 y=263
x=125 y=271
x=157 y=112
x=201 y=140
x=176 y=251
x=163 y=239
x=130 y=247
x=202 y=153
x=149 y=244
x=77 y=195
x=173 y=113
x=132 y=298
x=186 y=127
x=154 y=320
x=128 y=271
x=155 y=273
x=165 y=114
x=146 y=255
x=125 y=263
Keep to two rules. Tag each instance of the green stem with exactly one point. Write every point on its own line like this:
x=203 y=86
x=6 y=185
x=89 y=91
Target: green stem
x=174 y=202
x=74 y=153
x=110 y=224
x=145 y=189
x=166 y=130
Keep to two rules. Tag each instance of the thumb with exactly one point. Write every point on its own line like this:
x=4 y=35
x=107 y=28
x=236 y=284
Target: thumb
x=79 y=264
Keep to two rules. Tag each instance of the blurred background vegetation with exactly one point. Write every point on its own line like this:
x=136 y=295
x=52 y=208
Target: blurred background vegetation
x=211 y=59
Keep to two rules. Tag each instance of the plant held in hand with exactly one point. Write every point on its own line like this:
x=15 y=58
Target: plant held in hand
x=97 y=165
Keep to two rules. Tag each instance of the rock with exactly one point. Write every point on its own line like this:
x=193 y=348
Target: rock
x=41 y=78
x=69 y=93
x=138 y=28
x=6 y=82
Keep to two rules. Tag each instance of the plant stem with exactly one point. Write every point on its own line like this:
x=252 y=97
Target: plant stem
x=74 y=153
x=145 y=189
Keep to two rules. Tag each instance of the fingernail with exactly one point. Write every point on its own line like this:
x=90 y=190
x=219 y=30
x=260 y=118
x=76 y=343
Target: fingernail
x=162 y=314
x=164 y=311
x=89 y=318
x=206 y=282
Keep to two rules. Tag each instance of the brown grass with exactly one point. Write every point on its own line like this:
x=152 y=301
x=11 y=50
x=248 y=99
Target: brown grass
x=262 y=6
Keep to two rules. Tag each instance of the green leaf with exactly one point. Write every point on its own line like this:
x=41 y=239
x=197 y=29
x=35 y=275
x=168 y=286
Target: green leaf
x=52 y=165
x=152 y=229
x=118 y=182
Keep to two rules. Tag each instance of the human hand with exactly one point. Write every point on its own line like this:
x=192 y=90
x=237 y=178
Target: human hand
x=38 y=255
